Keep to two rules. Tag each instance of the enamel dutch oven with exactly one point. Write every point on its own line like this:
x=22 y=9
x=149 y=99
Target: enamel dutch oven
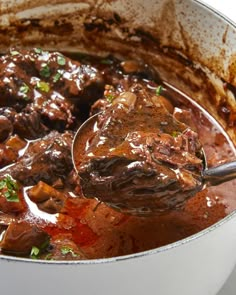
x=199 y=264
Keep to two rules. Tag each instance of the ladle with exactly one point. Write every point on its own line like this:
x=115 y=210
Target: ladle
x=210 y=176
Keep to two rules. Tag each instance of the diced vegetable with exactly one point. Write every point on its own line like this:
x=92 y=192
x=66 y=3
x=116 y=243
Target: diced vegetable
x=47 y=198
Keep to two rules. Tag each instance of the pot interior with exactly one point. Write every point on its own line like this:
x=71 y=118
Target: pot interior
x=171 y=36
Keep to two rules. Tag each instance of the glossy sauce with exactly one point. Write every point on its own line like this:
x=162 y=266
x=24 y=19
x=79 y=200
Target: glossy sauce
x=100 y=231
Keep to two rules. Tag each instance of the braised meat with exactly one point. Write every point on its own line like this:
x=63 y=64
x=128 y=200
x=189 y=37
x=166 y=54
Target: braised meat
x=21 y=237
x=143 y=147
x=47 y=159
x=141 y=158
x=5 y=128
x=45 y=90
x=63 y=248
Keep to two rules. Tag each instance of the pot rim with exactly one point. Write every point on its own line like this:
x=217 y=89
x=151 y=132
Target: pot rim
x=147 y=252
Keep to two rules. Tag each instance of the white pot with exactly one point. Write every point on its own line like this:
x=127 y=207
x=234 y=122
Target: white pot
x=198 y=265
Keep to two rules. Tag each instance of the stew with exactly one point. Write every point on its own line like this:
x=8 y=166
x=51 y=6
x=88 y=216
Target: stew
x=45 y=97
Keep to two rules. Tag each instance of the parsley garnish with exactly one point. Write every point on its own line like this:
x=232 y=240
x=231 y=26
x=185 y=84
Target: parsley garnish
x=38 y=50
x=159 y=90
x=9 y=189
x=14 y=52
x=175 y=133
x=43 y=86
x=57 y=77
x=45 y=71
x=66 y=250
x=61 y=60
x=24 y=88
x=48 y=257
x=35 y=251
x=106 y=61
x=110 y=97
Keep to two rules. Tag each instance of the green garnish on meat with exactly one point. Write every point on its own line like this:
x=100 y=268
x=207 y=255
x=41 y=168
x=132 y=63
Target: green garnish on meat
x=45 y=71
x=9 y=188
x=67 y=250
x=35 y=251
x=43 y=86
x=61 y=60
x=159 y=90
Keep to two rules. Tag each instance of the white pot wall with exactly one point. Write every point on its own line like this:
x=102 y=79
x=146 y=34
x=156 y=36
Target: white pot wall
x=198 y=265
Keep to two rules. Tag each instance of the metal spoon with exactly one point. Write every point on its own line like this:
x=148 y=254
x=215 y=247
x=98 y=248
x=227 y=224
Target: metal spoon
x=210 y=176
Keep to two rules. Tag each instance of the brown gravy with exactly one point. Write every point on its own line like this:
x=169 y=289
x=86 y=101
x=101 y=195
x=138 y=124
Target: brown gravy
x=99 y=231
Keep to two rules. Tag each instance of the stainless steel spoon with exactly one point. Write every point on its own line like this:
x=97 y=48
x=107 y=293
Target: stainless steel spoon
x=210 y=176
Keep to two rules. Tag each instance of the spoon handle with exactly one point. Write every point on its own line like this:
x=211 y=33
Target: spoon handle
x=219 y=174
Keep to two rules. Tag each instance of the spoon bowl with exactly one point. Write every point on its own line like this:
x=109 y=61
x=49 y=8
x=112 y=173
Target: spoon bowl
x=210 y=176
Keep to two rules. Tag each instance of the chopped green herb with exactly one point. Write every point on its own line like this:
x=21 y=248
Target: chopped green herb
x=43 y=86
x=35 y=251
x=159 y=90
x=61 y=60
x=110 y=97
x=14 y=52
x=45 y=71
x=24 y=88
x=57 y=77
x=106 y=61
x=66 y=250
x=9 y=189
x=175 y=133
x=48 y=256
x=38 y=50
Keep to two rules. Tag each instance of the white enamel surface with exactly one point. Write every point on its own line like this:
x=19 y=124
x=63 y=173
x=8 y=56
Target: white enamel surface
x=199 y=266
x=228 y=9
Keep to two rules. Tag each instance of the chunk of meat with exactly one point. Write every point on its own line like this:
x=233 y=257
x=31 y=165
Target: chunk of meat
x=140 y=159
x=6 y=128
x=11 y=196
x=7 y=155
x=46 y=160
x=47 y=198
x=63 y=248
x=11 y=207
x=20 y=237
x=45 y=89
x=29 y=125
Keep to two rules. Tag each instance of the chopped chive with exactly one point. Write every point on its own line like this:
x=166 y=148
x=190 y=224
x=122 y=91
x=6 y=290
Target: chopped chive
x=57 y=77
x=175 y=133
x=9 y=189
x=110 y=97
x=35 y=251
x=43 y=86
x=106 y=61
x=61 y=60
x=66 y=250
x=48 y=256
x=38 y=50
x=14 y=52
x=45 y=71
x=159 y=90
x=24 y=88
